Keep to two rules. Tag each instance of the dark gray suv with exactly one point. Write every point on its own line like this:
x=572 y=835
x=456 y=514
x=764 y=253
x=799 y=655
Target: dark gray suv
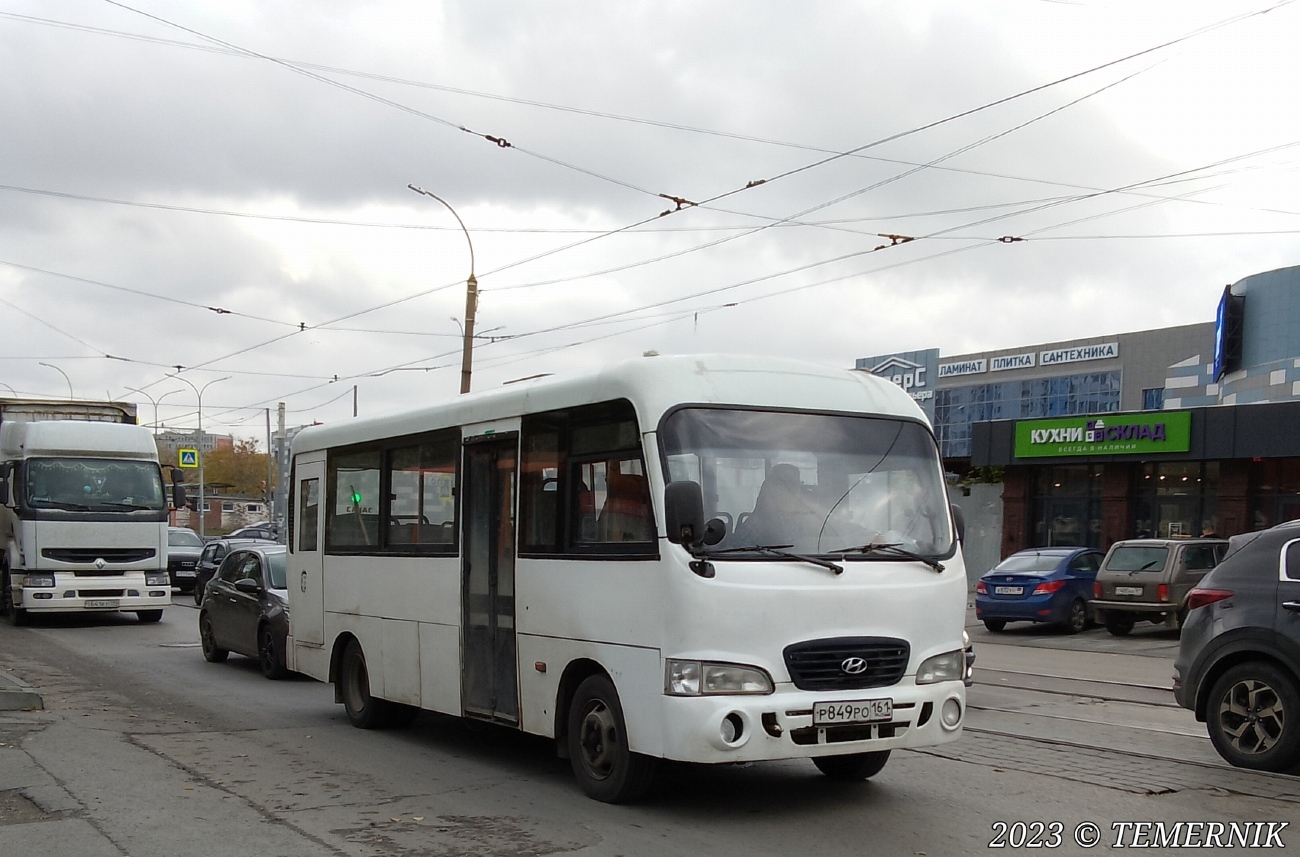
x=1238 y=664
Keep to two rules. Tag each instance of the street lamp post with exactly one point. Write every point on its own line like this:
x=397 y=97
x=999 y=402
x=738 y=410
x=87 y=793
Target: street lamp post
x=198 y=440
x=154 y=402
x=471 y=297
x=71 y=395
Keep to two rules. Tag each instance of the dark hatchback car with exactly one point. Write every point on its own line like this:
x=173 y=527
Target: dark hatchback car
x=1039 y=585
x=183 y=548
x=246 y=609
x=1238 y=664
x=210 y=560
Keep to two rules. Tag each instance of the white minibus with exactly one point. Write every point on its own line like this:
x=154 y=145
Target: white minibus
x=710 y=559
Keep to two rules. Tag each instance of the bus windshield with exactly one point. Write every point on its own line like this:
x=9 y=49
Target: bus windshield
x=817 y=483
x=93 y=485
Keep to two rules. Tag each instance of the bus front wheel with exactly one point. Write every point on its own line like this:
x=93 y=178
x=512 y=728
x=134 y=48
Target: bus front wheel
x=605 y=767
x=853 y=767
x=365 y=711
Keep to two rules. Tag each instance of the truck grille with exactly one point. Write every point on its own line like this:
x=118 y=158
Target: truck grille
x=820 y=664
x=111 y=555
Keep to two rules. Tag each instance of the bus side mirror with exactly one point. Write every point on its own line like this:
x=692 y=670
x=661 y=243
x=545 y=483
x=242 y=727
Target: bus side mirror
x=959 y=520
x=178 y=496
x=684 y=513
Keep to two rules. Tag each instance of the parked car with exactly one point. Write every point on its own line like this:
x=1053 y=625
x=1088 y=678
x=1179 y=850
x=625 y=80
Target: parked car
x=210 y=560
x=1238 y=664
x=246 y=609
x=1039 y=585
x=1150 y=578
x=183 y=548
x=263 y=531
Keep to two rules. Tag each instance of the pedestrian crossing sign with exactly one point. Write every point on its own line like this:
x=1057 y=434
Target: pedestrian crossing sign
x=188 y=457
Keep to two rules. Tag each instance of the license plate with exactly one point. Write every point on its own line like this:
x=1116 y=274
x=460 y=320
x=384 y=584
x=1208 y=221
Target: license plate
x=103 y=602
x=1128 y=590
x=1008 y=590
x=184 y=573
x=854 y=711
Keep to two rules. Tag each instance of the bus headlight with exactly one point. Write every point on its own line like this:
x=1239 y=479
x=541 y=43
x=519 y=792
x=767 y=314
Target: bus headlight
x=701 y=678
x=156 y=578
x=41 y=579
x=950 y=666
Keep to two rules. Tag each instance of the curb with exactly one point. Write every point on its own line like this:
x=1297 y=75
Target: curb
x=17 y=695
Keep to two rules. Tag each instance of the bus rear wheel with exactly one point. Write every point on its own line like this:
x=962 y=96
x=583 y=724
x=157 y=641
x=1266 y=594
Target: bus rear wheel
x=605 y=767
x=365 y=711
x=16 y=615
x=854 y=767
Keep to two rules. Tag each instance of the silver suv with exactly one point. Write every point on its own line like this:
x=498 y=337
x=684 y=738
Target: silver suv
x=1149 y=579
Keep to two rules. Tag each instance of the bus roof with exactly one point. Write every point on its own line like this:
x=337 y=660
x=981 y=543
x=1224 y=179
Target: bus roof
x=654 y=385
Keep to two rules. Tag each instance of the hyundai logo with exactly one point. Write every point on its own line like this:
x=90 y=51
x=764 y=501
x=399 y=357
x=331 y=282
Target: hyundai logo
x=853 y=666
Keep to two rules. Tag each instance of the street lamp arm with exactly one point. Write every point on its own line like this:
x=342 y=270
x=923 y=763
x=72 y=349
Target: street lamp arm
x=471 y=296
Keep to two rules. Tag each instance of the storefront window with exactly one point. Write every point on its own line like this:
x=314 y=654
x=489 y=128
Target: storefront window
x=1176 y=499
x=1275 y=491
x=1067 y=505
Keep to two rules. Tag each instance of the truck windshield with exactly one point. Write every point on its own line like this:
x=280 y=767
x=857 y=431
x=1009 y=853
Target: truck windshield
x=816 y=483
x=93 y=485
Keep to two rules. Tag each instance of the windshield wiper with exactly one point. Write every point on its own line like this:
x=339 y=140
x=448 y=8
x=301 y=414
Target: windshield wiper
x=778 y=550
x=59 y=504
x=132 y=506
x=893 y=549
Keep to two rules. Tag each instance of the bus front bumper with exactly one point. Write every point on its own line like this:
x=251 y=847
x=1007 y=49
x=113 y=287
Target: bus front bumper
x=726 y=729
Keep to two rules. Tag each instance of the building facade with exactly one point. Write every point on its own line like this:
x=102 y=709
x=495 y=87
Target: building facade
x=1167 y=432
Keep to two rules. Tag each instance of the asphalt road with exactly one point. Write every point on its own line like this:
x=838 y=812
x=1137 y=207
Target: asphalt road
x=145 y=749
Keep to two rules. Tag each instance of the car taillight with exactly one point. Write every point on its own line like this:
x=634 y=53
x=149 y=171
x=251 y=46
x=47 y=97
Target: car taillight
x=1162 y=592
x=1096 y=590
x=980 y=588
x=1201 y=597
x=1048 y=587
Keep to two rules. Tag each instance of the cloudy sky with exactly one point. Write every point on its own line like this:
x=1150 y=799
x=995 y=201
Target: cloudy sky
x=670 y=176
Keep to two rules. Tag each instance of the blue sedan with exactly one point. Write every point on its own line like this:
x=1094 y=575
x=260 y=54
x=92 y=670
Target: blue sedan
x=1039 y=585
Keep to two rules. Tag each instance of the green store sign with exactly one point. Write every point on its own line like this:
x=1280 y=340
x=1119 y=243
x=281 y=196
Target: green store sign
x=1121 y=434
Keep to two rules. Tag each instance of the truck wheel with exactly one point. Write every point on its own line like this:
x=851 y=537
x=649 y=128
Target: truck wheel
x=17 y=616
x=604 y=765
x=148 y=616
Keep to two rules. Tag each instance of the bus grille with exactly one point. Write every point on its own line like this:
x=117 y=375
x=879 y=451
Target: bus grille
x=91 y=554
x=820 y=664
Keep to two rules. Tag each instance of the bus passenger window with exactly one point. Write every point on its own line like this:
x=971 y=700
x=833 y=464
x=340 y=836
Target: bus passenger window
x=625 y=515
x=353 y=519
x=422 y=494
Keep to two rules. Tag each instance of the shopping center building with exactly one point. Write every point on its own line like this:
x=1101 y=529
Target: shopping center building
x=1160 y=432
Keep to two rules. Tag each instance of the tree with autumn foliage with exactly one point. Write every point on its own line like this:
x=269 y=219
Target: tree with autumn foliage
x=240 y=466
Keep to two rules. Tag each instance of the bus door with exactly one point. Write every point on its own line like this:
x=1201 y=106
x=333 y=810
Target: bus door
x=489 y=679
x=306 y=574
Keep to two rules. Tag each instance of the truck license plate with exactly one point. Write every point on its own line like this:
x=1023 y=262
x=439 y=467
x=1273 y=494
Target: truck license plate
x=852 y=711
x=1128 y=590
x=1008 y=590
x=109 y=603
x=185 y=572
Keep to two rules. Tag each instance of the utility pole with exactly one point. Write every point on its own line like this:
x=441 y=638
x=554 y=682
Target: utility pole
x=471 y=297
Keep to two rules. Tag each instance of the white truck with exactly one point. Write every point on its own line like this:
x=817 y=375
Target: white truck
x=84 y=519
